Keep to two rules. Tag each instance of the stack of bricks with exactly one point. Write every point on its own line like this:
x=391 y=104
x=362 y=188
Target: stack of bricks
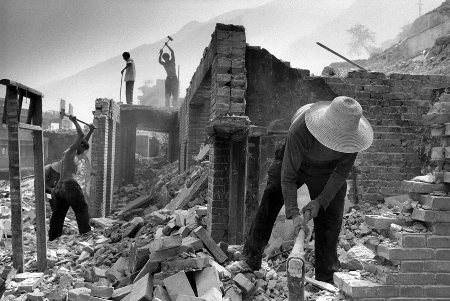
x=415 y=264
x=218 y=189
x=394 y=105
x=106 y=116
x=228 y=79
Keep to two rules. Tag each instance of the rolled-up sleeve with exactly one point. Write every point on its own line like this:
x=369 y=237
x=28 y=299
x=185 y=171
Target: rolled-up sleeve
x=337 y=179
x=291 y=164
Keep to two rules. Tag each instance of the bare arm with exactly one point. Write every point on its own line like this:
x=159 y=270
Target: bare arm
x=160 y=57
x=172 y=54
x=128 y=65
x=91 y=130
x=80 y=133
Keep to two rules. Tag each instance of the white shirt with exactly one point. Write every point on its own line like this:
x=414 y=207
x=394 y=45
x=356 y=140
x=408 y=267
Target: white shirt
x=130 y=73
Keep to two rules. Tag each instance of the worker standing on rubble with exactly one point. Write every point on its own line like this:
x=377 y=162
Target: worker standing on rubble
x=171 y=84
x=130 y=77
x=319 y=151
x=52 y=174
x=68 y=192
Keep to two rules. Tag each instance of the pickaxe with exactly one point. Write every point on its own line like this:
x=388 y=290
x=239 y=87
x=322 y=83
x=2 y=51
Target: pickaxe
x=169 y=38
x=62 y=113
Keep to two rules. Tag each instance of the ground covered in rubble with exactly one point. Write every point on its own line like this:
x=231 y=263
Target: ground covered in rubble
x=148 y=238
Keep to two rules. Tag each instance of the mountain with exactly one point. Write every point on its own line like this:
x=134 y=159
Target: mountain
x=287 y=28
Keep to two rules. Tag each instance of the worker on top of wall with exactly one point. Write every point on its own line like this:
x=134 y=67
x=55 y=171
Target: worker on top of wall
x=68 y=192
x=171 y=85
x=319 y=151
x=52 y=174
x=130 y=77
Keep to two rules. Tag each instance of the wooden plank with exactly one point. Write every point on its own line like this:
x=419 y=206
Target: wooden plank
x=20 y=106
x=31 y=110
x=251 y=203
x=25 y=126
x=39 y=187
x=14 y=178
x=22 y=88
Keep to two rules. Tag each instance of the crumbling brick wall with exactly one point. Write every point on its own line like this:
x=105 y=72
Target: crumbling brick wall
x=394 y=105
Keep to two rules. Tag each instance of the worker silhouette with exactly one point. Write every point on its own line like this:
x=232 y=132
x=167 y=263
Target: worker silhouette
x=130 y=76
x=168 y=61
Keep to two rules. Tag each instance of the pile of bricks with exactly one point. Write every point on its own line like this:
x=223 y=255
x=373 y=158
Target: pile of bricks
x=413 y=253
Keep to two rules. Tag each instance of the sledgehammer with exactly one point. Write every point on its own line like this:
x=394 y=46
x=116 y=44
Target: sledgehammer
x=62 y=113
x=169 y=38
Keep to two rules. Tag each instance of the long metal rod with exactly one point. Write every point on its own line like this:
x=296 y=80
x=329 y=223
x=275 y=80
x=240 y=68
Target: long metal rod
x=341 y=56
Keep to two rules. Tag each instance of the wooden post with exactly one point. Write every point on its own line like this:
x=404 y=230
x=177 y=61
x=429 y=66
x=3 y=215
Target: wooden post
x=14 y=177
x=39 y=186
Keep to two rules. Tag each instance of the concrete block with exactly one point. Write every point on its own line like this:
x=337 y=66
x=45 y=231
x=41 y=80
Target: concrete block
x=160 y=293
x=193 y=242
x=117 y=271
x=102 y=291
x=188 y=298
x=30 y=284
x=120 y=293
x=213 y=294
x=244 y=284
x=231 y=294
x=434 y=202
x=382 y=222
x=357 y=288
x=164 y=243
x=178 y=284
x=431 y=216
x=142 y=289
x=187 y=264
x=419 y=187
x=206 y=279
x=210 y=244
x=73 y=294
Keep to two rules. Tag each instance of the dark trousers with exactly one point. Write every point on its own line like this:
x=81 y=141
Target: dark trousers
x=171 y=86
x=67 y=194
x=327 y=224
x=129 y=91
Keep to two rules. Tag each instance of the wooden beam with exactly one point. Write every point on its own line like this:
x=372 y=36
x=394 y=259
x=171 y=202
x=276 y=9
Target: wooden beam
x=14 y=177
x=39 y=186
x=31 y=110
x=22 y=88
x=19 y=110
x=25 y=126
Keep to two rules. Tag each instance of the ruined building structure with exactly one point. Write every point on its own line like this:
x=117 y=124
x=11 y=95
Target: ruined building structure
x=240 y=101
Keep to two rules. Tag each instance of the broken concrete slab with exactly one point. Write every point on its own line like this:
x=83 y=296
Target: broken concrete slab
x=143 y=289
x=206 y=279
x=210 y=244
x=178 y=284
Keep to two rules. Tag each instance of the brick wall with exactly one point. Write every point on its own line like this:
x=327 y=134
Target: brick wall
x=394 y=105
x=184 y=129
x=58 y=142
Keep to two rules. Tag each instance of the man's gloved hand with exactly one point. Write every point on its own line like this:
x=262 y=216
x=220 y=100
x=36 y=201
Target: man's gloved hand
x=313 y=206
x=299 y=223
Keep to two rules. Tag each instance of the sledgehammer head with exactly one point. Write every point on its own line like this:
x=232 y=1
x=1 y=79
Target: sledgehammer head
x=62 y=113
x=170 y=38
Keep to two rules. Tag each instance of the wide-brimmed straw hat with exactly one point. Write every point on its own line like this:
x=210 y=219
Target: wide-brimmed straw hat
x=340 y=125
x=56 y=166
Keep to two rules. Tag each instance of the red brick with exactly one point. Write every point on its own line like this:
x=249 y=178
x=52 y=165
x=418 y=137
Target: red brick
x=412 y=266
x=244 y=284
x=210 y=244
x=434 y=202
x=438 y=241
x=431 y=216
x=420 y=187
x=436 y=291
x=397 y=253
x=102 y=291
x=411 y=291
x=382 y=222
x=410 y=278
x=437 y=266
x=443 y=278
x=440 y=228
x=412 y=240
x=357 y=288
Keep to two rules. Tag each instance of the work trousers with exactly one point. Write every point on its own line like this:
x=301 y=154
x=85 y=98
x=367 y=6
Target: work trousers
x=68 y=193
x=129 y=91
x=171 y=86
x=327 y=224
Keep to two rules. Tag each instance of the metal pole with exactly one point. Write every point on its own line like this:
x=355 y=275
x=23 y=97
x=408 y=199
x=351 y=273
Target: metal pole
x=341 y=56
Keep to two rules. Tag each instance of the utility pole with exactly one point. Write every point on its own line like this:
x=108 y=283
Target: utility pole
x=420 y=7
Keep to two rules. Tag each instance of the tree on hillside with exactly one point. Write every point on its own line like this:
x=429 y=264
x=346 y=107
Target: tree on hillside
x=361 y=38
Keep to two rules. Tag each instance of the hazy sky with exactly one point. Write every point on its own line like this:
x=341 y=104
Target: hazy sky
x=42 y=41
x=45 y=40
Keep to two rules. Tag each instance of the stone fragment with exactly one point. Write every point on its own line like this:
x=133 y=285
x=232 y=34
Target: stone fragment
x=210 y=244
x=164 y=243
x=244 y=284
x=102 y=291
x=142 y=289
x=178 y=284
x=206 y=279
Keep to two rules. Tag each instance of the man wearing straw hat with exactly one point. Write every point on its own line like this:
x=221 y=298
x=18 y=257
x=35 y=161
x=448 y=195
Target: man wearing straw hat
x=319 y=151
